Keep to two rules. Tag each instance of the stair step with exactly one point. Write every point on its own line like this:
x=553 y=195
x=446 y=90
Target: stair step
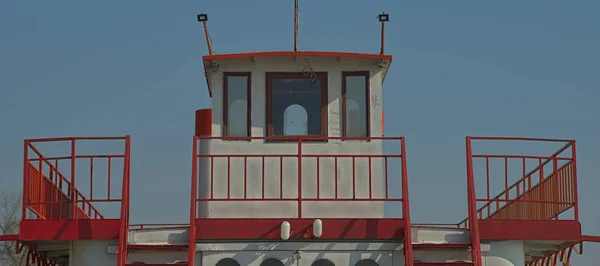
x=158 y=247
x=440 y=246
x=447 y=263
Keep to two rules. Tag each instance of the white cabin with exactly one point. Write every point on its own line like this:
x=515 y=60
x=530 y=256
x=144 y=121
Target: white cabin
x=275 y=96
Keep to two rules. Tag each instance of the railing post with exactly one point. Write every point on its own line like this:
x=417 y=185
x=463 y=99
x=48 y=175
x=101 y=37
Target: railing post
x=25 y=179
x=72 y=193
x=472 y=206
x=408 y=250
x=576 y=198
x=299 y=177
x=193 y=201
x=124 y=216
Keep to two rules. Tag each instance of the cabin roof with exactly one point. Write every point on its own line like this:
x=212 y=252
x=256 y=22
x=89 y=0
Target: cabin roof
x=208 y=59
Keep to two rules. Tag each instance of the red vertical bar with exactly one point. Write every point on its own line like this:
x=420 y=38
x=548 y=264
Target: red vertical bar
x=193 y=200
x=58 y=176
x=472 y=204
x=91 y=178
x=263 y=177
x=555 y=189
x=387 y=178
x=246 y=177
x=506 y=179
x=127 y=178
x=40 y=205
x=212 y=176
x=541 y=189
x=50 y=197
x=25 y=195
x=335 y=184
x=281 y=177
x=72 y=192
x=108 y=175
x=353 y=177
x=228 y=176
x=487 y=172
x=370 y=177
x=408 y=250
x=574 y=171
x=318 y=178
x=299 y=177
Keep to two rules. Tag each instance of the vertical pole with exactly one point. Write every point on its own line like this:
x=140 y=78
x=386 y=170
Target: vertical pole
x=299 y=178
x=207 y=36
x=127 y=191
x=382 y=36
x=472 y=206
x=408 y=250
x=72 y=193
x=576 y=199
x=124 y=230
x=295 y=25
x=25 y=179
x=192 y=232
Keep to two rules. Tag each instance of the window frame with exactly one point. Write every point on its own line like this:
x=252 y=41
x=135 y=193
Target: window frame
x=367 y=76
x=226 y=75
x=323 y=76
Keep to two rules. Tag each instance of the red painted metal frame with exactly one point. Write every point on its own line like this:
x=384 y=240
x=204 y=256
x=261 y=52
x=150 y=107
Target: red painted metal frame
x=552 y=195
x=70 y=214
x=527 y=213
x=213 y=228
x=301 y=229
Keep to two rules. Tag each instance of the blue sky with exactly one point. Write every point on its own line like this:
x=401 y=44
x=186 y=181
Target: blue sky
x=515 y=68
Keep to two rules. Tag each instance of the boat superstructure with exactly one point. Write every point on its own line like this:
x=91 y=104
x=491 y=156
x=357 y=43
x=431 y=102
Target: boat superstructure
x=291 y=166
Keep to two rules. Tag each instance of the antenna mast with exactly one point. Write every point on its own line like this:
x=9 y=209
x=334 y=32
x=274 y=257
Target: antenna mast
x=295 y=25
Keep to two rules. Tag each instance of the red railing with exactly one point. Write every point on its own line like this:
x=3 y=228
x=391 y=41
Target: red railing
x=363 y=188
x=207 y=150
x=49 y=193
x=546 y=186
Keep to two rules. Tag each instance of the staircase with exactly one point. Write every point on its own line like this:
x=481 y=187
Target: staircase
x=157 y=240
x=452 y=246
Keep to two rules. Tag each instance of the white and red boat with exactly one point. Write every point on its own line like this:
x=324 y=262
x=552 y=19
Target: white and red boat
x=290 y=166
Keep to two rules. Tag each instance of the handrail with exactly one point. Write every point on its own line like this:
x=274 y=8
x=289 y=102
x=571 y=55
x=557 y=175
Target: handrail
x=548 y=159
x=300 y=154
x=59 y=174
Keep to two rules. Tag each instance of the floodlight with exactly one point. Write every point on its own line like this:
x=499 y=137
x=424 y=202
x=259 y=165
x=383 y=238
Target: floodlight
x=202 y=17
x=383 y=17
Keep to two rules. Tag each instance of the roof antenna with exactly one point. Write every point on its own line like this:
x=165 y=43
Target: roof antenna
x=204 y=18
x=295 y=25
x=383 y=18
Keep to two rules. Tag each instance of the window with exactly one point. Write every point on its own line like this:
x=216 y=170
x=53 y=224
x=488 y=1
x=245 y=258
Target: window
x=355 y=104
x=296 y=104
x=271 y=262
x=236 y=104
x=227 y=262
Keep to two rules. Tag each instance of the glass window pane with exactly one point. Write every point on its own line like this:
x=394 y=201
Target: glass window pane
x=356 y=106
x=237 y=106
x=295 y=106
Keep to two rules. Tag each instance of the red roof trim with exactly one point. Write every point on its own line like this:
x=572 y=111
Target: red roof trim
x=298 y=53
